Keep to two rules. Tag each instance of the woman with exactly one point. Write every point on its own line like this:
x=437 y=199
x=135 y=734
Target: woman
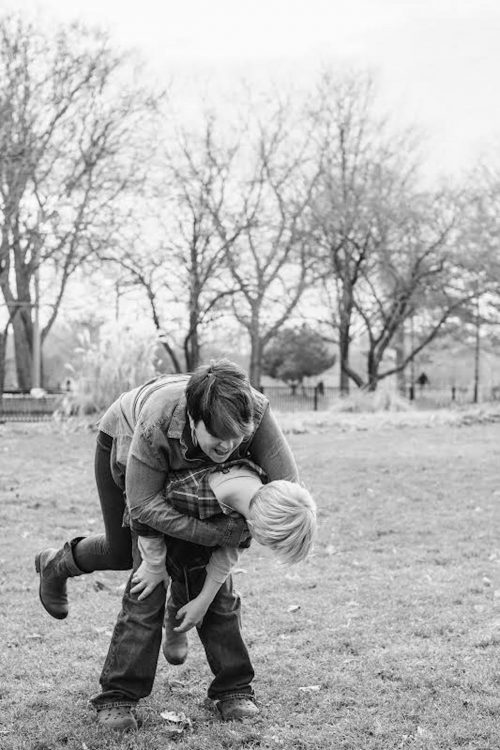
x=171 y=423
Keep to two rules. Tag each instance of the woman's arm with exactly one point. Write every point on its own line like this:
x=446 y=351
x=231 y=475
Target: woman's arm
x=147 y=506
x=270 y=450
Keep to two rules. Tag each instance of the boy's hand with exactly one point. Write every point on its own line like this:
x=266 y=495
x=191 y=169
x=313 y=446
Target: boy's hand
x=146 y=579
x=191 y=614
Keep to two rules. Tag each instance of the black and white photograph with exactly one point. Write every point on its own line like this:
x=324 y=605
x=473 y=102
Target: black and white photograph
x=249 y=375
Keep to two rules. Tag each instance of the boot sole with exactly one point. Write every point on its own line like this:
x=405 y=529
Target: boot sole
x=173 y=659
x=58 y=615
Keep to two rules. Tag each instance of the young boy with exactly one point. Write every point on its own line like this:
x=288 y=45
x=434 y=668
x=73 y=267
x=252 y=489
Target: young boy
x=280 y=515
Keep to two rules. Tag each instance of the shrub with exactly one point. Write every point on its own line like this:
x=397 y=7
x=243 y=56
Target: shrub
x=119 y=360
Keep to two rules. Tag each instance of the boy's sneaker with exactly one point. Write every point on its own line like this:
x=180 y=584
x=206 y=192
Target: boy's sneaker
x=120 y=718
x=236 y=709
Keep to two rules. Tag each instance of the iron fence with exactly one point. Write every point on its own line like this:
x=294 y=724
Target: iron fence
x=300 y=398
x=17 y=407
x=22 y=407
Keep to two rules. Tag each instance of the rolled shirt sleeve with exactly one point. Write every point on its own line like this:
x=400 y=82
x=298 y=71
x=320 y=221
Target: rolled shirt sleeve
x=222 y=561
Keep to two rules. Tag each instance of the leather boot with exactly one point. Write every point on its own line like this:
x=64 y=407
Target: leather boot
x=175 y=645
x=54 y=567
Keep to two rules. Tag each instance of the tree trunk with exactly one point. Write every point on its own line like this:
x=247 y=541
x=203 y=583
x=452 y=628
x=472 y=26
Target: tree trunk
x=173 y=357
x=372 y=371
x=477 y=354
x=192 y=342
x=3 y=354
x=345 y=312
x=399 y=346
x=23 y=331
x=344 y=341
x=255 y=362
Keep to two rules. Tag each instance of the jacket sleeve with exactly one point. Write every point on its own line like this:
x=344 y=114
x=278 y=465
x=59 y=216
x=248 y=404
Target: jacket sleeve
x=270 y=450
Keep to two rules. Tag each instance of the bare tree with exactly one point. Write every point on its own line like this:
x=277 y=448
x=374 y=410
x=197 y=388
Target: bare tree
x=410 y=276
x=179 y=259
x=359 y=158
x=477 y=243
x=272 y=261
x=72 y=132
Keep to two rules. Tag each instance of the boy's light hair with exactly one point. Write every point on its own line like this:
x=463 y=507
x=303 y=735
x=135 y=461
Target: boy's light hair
x=283 y=517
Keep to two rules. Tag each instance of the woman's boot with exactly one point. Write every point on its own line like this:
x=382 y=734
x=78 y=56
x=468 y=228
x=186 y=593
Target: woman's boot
x=55 y=566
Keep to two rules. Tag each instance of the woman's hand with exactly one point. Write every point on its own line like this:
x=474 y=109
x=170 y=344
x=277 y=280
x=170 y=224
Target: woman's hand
x=191 y=614
x=146 y=579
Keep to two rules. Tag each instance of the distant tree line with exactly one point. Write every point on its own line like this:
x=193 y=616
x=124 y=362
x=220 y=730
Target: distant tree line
x=285 y=216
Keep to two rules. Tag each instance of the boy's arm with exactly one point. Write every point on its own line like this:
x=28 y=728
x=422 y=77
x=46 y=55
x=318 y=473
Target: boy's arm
x=219 y=566
x=152 y=570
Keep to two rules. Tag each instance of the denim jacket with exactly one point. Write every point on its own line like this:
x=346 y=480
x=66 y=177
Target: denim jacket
x=152 y=439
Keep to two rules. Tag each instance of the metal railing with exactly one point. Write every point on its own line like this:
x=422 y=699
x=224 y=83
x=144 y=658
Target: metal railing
x=17 y=407
x=22 y=407
x=300 y=398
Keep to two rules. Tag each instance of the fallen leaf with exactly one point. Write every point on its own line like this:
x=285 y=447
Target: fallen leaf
x=100 y=586
x=103 y=631
x=310 y=688
x=172 y=716
x=293 y=607
x=176 y=723
x=176 y=684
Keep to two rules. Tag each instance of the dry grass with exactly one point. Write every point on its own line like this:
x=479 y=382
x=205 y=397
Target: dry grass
x=387 y=638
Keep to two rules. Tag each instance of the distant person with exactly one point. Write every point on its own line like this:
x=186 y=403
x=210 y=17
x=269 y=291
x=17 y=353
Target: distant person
x=422 y=381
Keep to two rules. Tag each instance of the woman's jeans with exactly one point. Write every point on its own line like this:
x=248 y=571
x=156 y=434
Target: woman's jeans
x=130 y=666
x=113 y=549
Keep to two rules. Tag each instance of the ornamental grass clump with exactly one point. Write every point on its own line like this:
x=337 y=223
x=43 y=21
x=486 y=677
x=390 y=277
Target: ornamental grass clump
x=119 y=360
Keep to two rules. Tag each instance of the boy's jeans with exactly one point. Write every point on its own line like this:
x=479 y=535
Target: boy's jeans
x=130 y=666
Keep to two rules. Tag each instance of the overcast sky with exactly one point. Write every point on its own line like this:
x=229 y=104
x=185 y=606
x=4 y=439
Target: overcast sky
x=437 y=62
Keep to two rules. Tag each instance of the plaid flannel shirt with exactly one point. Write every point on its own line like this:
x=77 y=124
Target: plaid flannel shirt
x=190 y=493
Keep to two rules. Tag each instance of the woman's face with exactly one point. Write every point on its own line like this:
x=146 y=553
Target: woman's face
x=217 y=449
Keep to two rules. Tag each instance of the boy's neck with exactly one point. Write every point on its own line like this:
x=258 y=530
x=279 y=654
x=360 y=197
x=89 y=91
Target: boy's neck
x=241 y=505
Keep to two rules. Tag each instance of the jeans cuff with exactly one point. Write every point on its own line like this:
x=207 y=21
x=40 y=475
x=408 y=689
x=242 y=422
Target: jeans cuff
x=112 y=704
x=231 y=696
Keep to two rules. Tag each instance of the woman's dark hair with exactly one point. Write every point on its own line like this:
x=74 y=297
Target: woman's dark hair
x=219 y=394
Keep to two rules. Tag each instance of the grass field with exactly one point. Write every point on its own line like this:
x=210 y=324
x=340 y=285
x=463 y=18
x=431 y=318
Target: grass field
x=388 y=637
